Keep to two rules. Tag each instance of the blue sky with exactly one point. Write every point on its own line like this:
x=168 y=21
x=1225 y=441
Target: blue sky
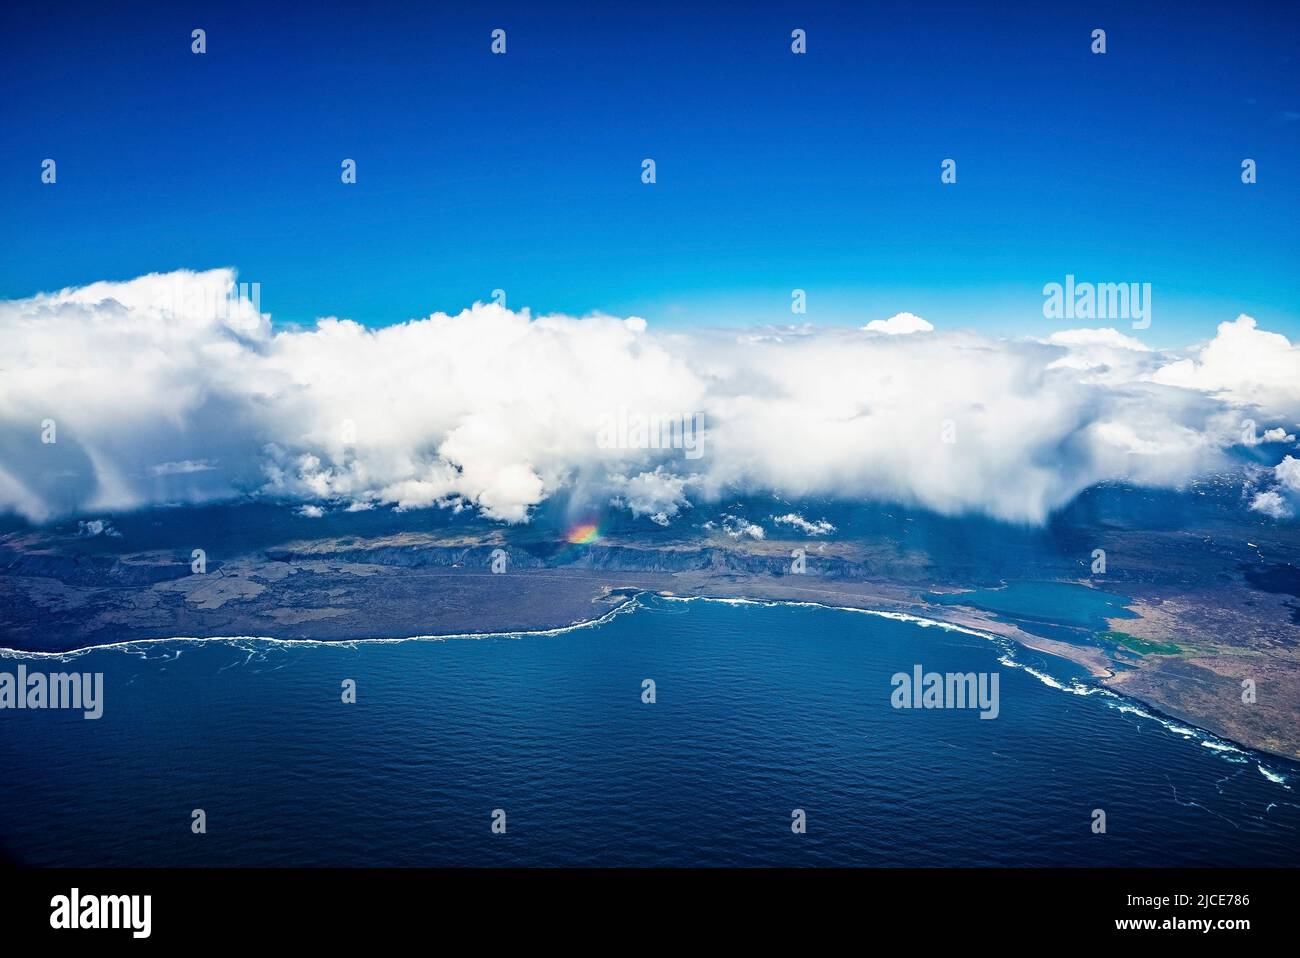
x=775 y=171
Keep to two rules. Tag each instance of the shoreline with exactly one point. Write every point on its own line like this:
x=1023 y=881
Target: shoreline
x=631 y=602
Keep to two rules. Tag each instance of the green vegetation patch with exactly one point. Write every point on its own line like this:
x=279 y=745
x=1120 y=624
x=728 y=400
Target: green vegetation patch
x=1141 y=646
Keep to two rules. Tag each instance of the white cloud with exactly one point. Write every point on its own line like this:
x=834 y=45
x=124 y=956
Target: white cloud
x=818 y=527
x=89 y=528
x=740 y=528
x=899 y=324
x=1287 y=473
x=1283 y=500
x=162 y=393
x=1271 y=504
x=1102 y=356
x=1110 y=338
x=1243 y=364
x=182 y=468
x=658 y=494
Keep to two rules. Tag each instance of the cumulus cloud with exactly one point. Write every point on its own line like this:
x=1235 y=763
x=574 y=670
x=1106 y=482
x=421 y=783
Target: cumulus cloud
x=1101 y=356
x=899 y=324
x=173 y=389
x=90 y=528
x=738 y=527
x=1271 y=504
x=1281 y=501
x=1243 y=363
x=659 y=494
x=1103 y=336
x=1288 y=473
x=817 y=527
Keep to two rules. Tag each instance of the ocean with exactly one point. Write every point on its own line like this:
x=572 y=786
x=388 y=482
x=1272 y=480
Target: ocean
x=760 y=711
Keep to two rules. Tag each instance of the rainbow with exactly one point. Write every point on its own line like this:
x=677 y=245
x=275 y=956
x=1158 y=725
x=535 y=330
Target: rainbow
x=582 y=534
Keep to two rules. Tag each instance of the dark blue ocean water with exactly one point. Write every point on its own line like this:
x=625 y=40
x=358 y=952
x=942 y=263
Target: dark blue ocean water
x=760 y=710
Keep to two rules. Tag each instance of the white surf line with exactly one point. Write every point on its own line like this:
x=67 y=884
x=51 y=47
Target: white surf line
x=805 y=604
x=626 y=605
x=1230 y=751
x=1207 y=738
x=130 y=645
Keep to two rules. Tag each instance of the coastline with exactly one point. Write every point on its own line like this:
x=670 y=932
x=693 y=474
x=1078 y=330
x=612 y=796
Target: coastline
x=950 y=618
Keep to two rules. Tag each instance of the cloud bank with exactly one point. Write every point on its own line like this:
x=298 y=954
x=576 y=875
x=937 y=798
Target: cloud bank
x=171 y=389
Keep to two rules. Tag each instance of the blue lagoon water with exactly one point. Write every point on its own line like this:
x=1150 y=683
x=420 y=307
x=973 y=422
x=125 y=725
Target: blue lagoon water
x=761 y=709
x=1057 y=610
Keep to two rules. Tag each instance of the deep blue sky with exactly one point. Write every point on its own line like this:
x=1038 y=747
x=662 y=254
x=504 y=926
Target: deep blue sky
x=774 y=170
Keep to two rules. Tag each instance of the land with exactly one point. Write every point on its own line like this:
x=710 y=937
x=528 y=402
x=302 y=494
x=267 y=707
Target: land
x=1209 y=610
